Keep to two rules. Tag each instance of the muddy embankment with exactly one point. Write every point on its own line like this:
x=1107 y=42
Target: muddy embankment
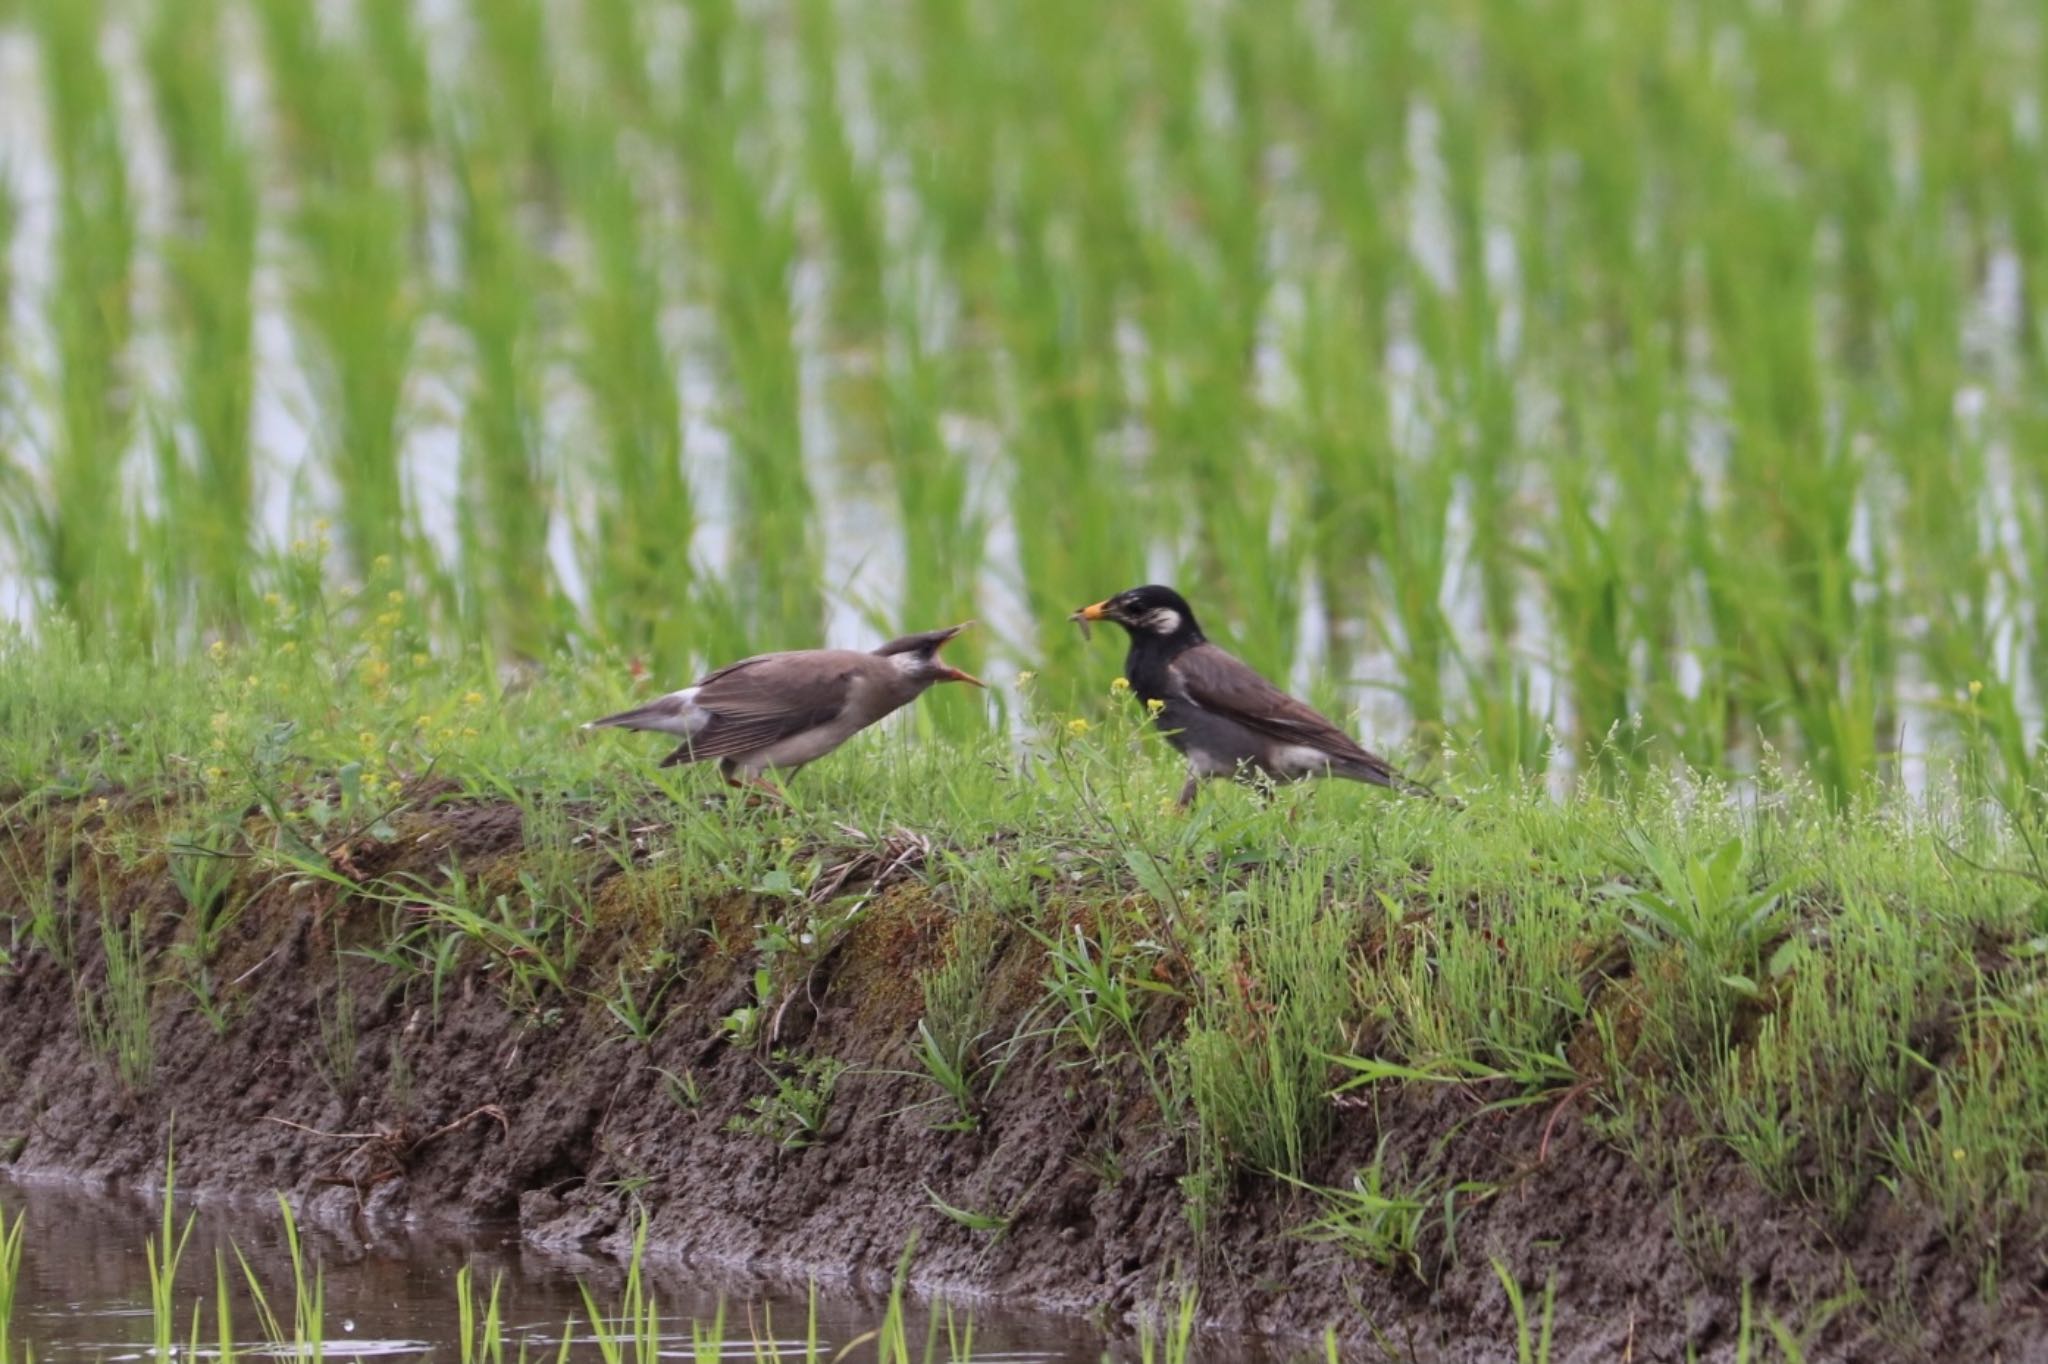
x=365 y=1090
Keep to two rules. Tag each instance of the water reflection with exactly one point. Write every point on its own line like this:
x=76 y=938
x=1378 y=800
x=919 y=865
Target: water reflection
x=84 y=1293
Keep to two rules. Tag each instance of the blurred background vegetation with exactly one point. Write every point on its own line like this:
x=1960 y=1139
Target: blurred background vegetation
x=1564 y=381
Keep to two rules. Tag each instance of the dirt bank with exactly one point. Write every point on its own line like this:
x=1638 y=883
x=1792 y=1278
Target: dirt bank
x=322 y=1065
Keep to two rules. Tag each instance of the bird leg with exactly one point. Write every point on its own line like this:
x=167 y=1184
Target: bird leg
x=758 y=787
x=1188 y=789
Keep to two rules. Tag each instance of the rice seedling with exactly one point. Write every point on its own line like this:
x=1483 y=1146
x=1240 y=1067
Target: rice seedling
x=11 y=1234
x=355 y=296
x=208 y=458
x=79 y=545
x=161 y=1256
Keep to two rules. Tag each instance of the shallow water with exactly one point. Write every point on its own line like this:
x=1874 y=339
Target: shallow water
x=84 y=1293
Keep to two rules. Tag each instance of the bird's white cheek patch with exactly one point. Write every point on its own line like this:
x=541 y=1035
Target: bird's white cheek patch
x=1162 y=620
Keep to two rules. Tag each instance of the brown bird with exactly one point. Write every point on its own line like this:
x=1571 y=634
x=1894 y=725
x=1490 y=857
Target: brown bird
x=783 y=710
x=1214 y=708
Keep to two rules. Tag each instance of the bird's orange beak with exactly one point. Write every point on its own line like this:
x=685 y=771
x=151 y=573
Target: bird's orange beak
x=1095 y=612
x=952 y=674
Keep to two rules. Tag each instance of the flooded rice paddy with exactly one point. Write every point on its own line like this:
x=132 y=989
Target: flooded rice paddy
x=83 y=1294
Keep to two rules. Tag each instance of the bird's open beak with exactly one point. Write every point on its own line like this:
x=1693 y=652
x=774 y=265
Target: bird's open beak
x=952 y=674
x=1088 y=614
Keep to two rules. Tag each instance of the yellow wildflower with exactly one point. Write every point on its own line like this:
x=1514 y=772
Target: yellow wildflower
x=472 y=698
x=215 y=774
x=272 y=600
x=468 y=732
x=1120 y=684
x=388 y=619
x=1155 y=704
x=381 y=562
x=1024 y=677
x=290 y=646
x=218 y=649
x=1077 y=725
x=395 y=597
x=1976 y=690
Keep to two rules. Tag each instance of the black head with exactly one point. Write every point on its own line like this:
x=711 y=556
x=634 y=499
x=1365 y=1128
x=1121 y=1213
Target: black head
x=918 y=656
x=1148 y=612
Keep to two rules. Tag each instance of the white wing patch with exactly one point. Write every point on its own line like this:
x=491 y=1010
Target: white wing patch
x=1297 y=760
x=677 y=713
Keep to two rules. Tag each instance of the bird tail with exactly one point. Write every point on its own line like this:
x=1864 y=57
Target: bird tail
x=636 y=718
x=1379 y=772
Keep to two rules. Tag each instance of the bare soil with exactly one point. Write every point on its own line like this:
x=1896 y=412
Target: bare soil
x=337 y=1079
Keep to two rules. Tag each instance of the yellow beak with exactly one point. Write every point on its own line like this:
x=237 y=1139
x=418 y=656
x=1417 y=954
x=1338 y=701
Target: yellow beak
x=1095 y=612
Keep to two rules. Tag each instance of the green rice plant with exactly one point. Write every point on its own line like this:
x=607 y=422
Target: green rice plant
x=398 y=59
x=1172 y=1341
x=614 y=33
x=504 y=517
x=632 y=1330
x=943 y=532
x=83 y=554
x=479 y=1325
x=354 y=299
x=305 y=1340
x=11 y=1235
x=208 y=467
x=514 y=52
x=162 y=1254
x=776 y=573
x=10 y=219
x=846 y=189
x=645 y=588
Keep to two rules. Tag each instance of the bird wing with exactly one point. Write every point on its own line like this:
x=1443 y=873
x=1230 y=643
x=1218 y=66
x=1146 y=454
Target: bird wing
x=1225 y=685
x=746 y=705
x=758 y=701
